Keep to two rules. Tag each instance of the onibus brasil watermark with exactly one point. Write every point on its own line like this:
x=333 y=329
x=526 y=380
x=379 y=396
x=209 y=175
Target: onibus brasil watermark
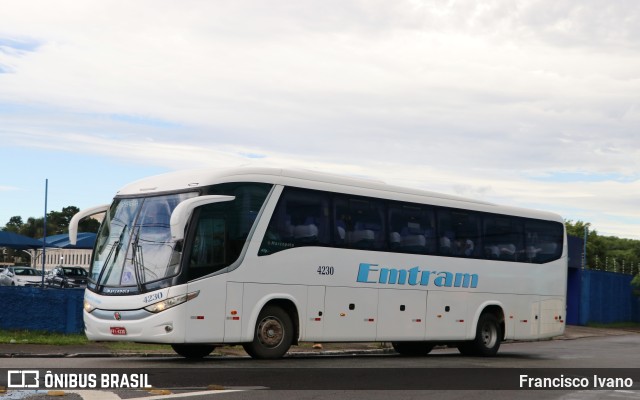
x=32 y=379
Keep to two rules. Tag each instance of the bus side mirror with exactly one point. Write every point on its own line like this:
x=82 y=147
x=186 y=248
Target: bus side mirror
x=182 y=213
x=75 y=220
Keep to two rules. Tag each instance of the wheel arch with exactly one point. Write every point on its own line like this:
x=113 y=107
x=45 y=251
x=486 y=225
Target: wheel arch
x=284 y=301
x=492 y=307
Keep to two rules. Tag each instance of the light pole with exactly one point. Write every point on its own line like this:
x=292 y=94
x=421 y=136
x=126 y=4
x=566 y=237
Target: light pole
x=44 y=230
x=584 y=250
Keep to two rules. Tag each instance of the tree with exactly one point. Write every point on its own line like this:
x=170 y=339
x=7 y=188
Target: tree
x=577 y=228
x=596 y=248
x=57 y=223
x=603 y=248
x=14 y=225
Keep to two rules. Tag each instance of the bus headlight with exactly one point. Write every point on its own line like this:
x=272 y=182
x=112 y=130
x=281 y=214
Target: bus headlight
x=88 y=307
x=171 y=302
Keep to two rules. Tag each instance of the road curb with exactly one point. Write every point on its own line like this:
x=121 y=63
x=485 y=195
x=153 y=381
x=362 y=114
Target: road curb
x=575 y=333
x=294 y=354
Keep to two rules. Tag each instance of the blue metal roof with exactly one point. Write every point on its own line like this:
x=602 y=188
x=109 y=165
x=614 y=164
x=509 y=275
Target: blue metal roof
x=86 y=240
x=16 y=241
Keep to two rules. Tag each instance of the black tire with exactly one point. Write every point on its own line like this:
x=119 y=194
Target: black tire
x=466 y=349
x=487 y=340
x=193 y=351
x=415 y=349
x=273 y=334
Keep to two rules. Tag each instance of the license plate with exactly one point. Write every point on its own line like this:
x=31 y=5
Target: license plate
x=118 y=330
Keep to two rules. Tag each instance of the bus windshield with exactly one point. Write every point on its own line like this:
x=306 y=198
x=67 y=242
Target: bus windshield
x=134 y=244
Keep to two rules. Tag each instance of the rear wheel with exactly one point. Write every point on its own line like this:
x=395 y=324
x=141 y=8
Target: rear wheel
x=273 y=334
x=412 y=348
x=193 y=351
x=487 y=340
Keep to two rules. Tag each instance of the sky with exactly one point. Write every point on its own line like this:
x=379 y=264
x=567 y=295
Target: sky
x=531 y=103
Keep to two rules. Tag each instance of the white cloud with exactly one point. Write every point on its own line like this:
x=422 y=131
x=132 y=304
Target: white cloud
x=477 y=98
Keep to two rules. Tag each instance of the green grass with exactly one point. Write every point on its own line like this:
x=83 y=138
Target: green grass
x=74 y=339
x=129 y=346
x=41 y=337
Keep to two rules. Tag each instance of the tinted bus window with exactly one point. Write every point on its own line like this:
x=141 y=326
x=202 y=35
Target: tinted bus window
x=301 y=218
x=411 y=229
x=504 y=238
x=222 y=228
x=315 y=218
x=544 y=240
x=360 y=223
x=458 y=233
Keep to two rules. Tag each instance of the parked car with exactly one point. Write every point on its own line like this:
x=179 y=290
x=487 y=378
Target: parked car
x=67 y=277
x=20 y=276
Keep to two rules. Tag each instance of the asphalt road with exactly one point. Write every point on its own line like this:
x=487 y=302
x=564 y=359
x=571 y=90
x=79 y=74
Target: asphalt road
x=449 y=374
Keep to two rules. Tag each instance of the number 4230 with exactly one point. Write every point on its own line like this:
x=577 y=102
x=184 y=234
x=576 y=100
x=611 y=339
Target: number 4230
x=325 y=270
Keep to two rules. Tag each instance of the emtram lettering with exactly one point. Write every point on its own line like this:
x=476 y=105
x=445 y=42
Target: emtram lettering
x=370 y=273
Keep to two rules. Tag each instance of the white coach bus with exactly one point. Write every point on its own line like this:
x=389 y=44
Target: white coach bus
x=268 y=258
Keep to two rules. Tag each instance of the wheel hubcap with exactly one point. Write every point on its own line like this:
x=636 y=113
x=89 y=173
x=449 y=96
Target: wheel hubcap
x=489 y=335
x=270 y=332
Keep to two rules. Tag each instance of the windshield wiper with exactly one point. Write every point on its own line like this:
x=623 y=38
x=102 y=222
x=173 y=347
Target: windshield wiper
x=114 y=249
x=138 y=262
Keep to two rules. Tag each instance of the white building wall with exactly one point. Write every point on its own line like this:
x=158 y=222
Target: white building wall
x=64 y=257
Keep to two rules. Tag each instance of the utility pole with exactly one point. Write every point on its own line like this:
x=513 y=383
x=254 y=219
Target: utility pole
x=44 y=231
x=584 y=250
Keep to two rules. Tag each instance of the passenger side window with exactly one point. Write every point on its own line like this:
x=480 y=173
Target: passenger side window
x=503 y=238
x=543 y=241
x=301 y=218
x=458 y=233
x=315 y=218
x=411 y=229
x=209 y=243
x=359 y=223
x=222 y=228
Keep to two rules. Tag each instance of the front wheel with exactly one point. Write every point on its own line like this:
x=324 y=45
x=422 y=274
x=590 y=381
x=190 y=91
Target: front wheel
x=193 y=351
x=273 y=334
x=487 y=340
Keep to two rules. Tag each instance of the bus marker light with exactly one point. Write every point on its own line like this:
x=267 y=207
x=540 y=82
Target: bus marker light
x=316 y=319
x=439 y=315
x=233 y=312
x=368 y=320
x=417 y=320
x=524 y=320
x=460 y=320
x=343 y=314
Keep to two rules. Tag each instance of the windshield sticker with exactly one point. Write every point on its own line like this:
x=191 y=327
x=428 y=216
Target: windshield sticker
x=127 y=276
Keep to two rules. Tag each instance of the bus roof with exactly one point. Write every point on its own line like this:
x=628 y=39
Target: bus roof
x=195 y=179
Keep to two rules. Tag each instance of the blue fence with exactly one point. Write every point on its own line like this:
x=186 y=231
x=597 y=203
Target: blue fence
x=607 y=297
x=592 y=297
x=48 y=309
